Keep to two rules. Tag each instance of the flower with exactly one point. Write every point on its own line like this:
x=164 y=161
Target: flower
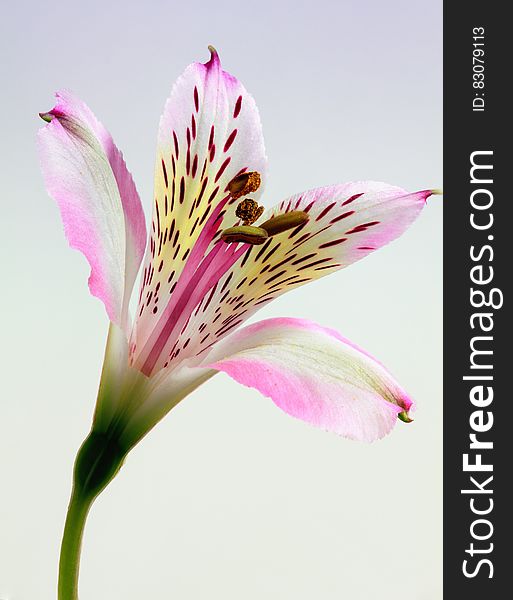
x=209 y=265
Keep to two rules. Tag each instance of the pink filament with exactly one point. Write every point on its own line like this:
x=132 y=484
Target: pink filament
x=189 y=292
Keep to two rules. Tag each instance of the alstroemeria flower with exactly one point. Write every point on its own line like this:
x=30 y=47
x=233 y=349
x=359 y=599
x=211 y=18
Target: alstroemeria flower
x=201 y=279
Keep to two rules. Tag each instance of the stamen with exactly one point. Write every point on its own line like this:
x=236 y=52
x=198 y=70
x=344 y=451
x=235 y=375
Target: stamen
x=246 y=234
x=249 y=211
x=284 y=222
x=244 y=184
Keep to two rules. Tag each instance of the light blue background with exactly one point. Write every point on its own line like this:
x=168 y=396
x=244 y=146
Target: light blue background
x=228 y=498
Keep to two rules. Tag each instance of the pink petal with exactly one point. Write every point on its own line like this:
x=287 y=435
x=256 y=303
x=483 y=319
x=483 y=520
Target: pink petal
x=314 y=374
x=100 y=208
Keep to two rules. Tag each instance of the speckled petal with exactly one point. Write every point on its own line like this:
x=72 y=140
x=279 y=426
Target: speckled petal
x=346 y=223
x=209 y=133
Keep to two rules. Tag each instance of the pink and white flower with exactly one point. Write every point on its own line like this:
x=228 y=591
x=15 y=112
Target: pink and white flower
x=198 y=285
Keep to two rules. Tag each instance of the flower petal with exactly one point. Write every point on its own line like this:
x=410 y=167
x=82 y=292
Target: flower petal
x=314 y=374
x=100 y=208
x=346 y=223
x=210 y=132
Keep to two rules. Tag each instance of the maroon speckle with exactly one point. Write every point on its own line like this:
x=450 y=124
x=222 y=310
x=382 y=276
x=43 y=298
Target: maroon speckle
x=204 y=169
x=212 y=152
x=281 y=263
x=238 y=106
x=204 y=216
x=222 y=169
x=275 y=277
x=194 y=165
x=351 y=199
x=229 y=141
x=303 y=258
x=193 y=127
x=333 y=243
x=213 y=195
x=366 y=248
x=263 y=301
x=164 y=170
x=225 y=284
x=246 y=256
x=157 y=212
x=263 y=249
x=342 y=216
x=317 y=262
x=362 y=227
x=211 y=138
x=270 y=253
x=177 y=151
x=182 y=190
x=325 y=211
x=196 y=99
x=155 y=309
x=297 y=230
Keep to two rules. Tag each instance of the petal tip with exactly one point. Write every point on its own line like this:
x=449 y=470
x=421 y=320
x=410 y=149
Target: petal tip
x=404 y=417
x=46 y=116
x=214 y=56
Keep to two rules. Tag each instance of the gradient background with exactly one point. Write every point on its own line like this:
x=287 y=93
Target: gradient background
x=228 y=497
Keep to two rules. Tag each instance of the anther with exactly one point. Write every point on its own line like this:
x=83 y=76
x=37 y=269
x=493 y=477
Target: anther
x=249 y=211
x=244 y=184
x=246 y=234
x=284 y=222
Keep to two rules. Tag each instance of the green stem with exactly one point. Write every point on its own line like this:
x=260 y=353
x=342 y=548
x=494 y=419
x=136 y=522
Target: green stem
x=69 y=562
x=98 y=461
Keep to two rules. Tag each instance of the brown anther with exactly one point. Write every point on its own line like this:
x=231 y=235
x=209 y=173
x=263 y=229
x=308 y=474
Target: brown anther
x=244 y=184
x=249 y=211
x=285 y=221
x=246 y=234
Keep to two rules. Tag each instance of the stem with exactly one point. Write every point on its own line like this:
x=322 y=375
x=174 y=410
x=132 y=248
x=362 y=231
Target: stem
x=69 y=562
x=98 y=461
